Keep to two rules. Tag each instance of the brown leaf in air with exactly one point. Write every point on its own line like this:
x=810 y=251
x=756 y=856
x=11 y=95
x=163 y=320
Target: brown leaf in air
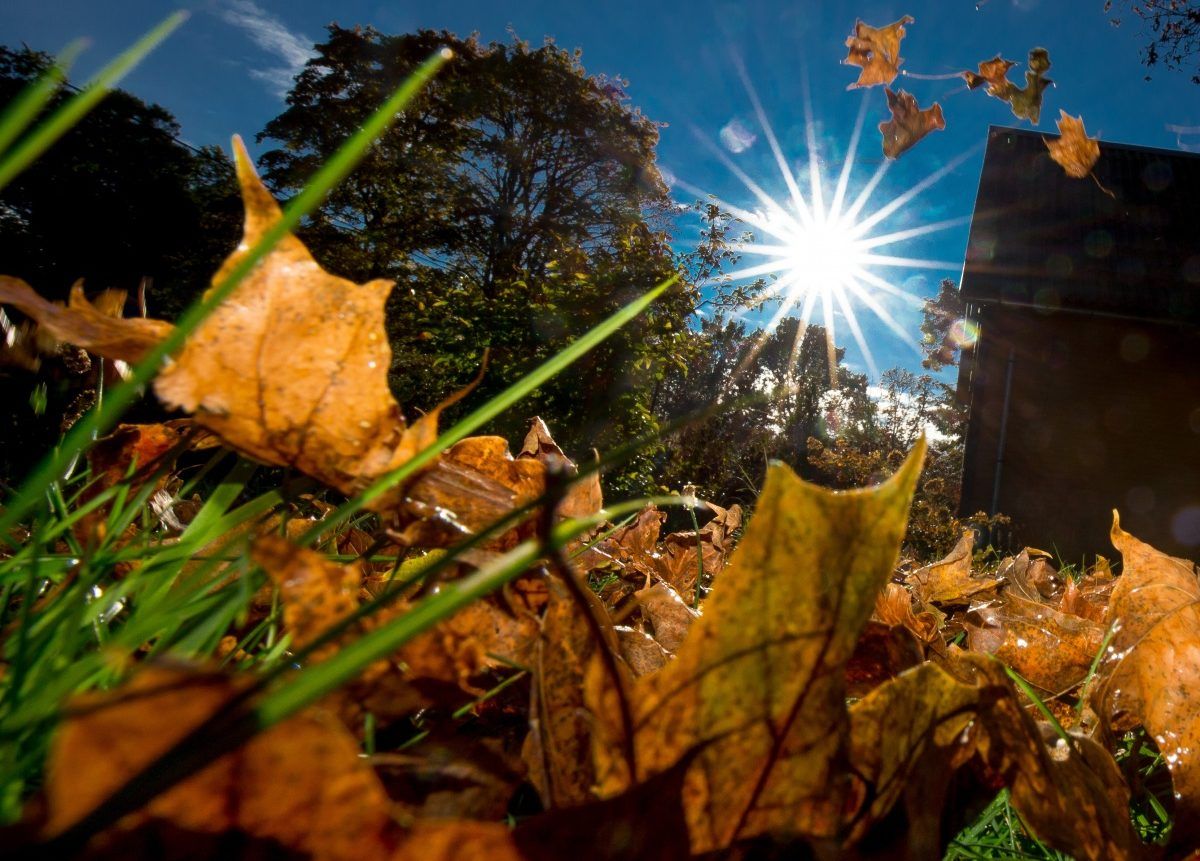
x=948 y=582
x=994 y=73
x=300 y=784
x=908 y=124
x=877 y=51
x=1151 y=671
x=909 y=735
x=1074 y=150
x=93 y=327
x=759 y=679
x=1026 y=102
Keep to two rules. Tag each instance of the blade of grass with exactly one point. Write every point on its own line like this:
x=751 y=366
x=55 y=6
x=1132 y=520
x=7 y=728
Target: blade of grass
x=100 y=419
x=22 y=110
x=75 y=109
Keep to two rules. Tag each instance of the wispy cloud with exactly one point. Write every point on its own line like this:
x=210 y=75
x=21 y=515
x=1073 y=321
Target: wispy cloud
x=290 y=48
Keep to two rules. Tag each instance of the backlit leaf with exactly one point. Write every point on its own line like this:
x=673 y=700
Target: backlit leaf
x=909 y=123
x=760 y=677
x=877 y=51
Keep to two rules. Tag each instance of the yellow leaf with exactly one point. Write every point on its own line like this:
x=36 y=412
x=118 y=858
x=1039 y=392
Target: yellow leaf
x=758 y=683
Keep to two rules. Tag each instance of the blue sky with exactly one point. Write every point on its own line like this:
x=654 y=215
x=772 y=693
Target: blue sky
x=225 y=71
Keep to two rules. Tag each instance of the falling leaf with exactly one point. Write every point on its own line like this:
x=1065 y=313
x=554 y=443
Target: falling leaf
x=760 y=677
x=300 y=784
x=1149 y=673
x=994 y=73
x=908 y=124
x=1026 y=103
x=877 y=51
x=911 y=734
x=1074 y=150
x=949 y=582
x=85 y=325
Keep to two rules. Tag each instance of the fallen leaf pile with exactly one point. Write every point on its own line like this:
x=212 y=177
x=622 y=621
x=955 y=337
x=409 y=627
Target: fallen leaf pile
x=637 y=695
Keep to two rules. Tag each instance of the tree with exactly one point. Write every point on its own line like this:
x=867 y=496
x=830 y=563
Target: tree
x=516 y=203
x=118 y=198
x=1174 y=30
x=940 y=339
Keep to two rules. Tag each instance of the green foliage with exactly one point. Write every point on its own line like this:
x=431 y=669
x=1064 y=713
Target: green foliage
x=515 y=206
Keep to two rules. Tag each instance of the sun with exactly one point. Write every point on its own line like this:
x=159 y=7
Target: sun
x=827 y=255
x=821 y=257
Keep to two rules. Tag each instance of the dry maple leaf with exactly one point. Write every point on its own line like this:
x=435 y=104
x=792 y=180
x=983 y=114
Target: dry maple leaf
x=948 y=582
x=994 y=73
x=909 y=736
x=908 y=124
x=1051 y=649
x=292 y=368
x=300 y=784
x=877 y=51
x=94 y=327
x=759 y=681
x=1073 y=149
x=1150 y=675
x=1026 y=102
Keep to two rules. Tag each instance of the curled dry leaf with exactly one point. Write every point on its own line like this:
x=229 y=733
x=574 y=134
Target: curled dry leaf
x=677 y=563
x=909 y=123
x=292 y=368
x=994 y=73
x=877 y=51
x=669 y=616
x=1051 y=649
x=948 y=582
x=909 y=735
x=758 y=686
x=300 y=784
x=584 y=497
x=558 y=746
x=95 y=328
x=894 y=606
x=1074 y=150
x=436 y=667
x=1026 y=102
x=1151 y=671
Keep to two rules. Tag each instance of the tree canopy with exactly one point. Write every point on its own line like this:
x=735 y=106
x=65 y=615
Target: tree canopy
x=516 y=204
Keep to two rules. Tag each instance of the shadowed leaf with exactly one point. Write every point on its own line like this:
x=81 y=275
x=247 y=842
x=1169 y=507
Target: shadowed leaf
x=877 y=51
x=908 y=124
x=760 y=677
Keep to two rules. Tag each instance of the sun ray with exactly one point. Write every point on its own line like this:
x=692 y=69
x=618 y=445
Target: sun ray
x=913 y=232
x=839 y=194
x=856 y=330
x=909 y=262
x=886 y=210
x=817 y=253
x=789 y=179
